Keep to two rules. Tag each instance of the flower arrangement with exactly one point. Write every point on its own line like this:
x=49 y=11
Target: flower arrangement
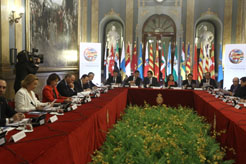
x=160 y=134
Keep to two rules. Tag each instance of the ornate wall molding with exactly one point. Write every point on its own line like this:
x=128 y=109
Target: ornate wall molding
x=94 y=20
x=227 y=22
x=129 y=21
x=84 y=21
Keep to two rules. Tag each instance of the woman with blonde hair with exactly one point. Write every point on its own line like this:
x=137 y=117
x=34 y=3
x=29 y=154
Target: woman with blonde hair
x=25 y=99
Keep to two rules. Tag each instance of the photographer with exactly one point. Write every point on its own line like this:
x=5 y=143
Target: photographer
x=26 y=65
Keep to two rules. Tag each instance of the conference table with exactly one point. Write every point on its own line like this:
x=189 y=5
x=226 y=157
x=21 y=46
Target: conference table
x=77 y=134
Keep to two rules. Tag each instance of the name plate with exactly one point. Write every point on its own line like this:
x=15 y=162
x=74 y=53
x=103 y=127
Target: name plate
x=134 y=86
x=74 y=107
x=176 y=88
x=238 y=106
x=156 y=87
x=41 y=122
x=198 y=89
x=18 y=136
x=53 y=118
x=2 y=140
x=225 y=100
x=216 y=96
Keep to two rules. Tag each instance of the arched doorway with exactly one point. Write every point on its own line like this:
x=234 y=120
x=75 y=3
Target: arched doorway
x=159 y=29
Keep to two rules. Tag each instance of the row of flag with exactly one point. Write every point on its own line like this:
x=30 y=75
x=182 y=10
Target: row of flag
x=130 y=62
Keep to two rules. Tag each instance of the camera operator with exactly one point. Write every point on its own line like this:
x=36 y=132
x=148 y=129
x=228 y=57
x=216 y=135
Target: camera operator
x=23 y=67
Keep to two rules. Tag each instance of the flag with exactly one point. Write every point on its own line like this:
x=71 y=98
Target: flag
x=140 y=62
x=195 y=75
x=151 y=61
x=188 y=61
x=163 y=63
x=200 y=68
x=123 y=62
x=175 y=64
x=127 y=60
x=111 y=61
x=146 y=64
x=105 y=62
x=182 y=63
x=206 y=61
x=117 y=63
x=169 y=58
x=220 y=69
x=157 y=71
x=134 y=58
x=212 y=67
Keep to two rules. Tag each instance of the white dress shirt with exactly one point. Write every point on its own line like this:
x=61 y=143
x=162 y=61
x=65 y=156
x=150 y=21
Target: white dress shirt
x=24 y=102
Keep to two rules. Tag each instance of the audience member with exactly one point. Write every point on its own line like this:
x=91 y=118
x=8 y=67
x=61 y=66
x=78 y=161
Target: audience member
x=50 y=92
x=170 y=81
x=207 y=81
x=7 y=114
x=25 y=99
x=66 y=86
x=150 y=80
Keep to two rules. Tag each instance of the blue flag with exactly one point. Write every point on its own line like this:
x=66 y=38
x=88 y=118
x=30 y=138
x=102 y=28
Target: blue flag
x=140 y=61
x=169 y=64
x=220 y=70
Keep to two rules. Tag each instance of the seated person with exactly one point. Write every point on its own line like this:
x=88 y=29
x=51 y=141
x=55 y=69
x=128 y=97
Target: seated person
x=170 y=81
x=189 y=82
x=66 y=86
x=207 y=81
x=90 y=83
x=116 y=79
x=50 y=92
x=235 y=86
x=150 y=80
x=134 y=80
x=82 y=84
x=25 y=99
x=242 y=90
x=7 y=114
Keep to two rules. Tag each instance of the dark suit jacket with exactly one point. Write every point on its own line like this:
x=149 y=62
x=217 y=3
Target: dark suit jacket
x=5 y=111
x=79 y=87
x=137 y=81
x=241 y=92
x=65 y=90
x=234 y=89
x=111 y=80
x=22 y=70
x=91 y=84
x=154 y=82
x=212 y=83
x=185 y=83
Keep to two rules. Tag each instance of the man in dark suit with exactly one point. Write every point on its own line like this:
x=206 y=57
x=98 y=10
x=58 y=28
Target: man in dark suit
x=150 y=80
x=207 y=81
x=114 y=79
x=90 y=83
x=66 y=86
x=242 y=90
x=7 y=114
x=235 y=86
x=82 y=84
x=189 y=82
x=134 y=80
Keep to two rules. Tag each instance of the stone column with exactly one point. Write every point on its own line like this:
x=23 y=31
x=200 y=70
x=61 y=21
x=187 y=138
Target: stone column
x=129 y=21
x=94 y=20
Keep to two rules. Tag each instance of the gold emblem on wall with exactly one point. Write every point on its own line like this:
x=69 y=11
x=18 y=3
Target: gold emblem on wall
x=159 y=99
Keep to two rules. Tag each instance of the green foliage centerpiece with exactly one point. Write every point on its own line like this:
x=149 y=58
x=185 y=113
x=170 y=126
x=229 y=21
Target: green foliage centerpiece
x=160 y=134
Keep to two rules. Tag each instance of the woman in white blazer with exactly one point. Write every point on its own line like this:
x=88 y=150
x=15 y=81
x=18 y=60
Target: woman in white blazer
x=25 y=99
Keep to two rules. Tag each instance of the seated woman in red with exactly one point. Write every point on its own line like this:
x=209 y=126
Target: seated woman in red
x=170 y=81
x=50 y=92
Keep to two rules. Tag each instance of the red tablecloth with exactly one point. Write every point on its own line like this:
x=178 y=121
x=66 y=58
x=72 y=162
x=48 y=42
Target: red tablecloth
x=78 y=133
x=73 y=137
